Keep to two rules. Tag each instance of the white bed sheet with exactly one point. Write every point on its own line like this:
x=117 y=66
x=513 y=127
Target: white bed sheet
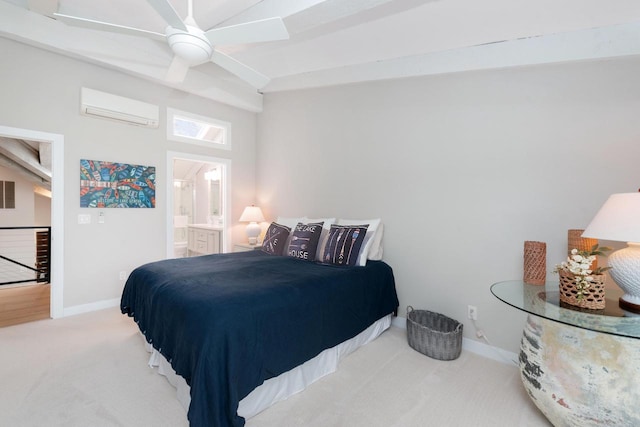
x=283 y=386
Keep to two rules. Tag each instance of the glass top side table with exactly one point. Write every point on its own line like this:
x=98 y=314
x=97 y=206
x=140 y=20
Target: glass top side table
x=580 y=367
x=544 y=301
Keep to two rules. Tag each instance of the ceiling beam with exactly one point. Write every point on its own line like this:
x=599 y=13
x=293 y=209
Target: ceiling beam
x=269 y=8
x=223 y=11
x=23 y=156
x=334 y=15
x=322 y=16
x=10 y=164
x=43 y=7
x=593 y=44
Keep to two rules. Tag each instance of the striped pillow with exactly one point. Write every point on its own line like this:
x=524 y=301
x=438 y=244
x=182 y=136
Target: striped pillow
x=344 y=244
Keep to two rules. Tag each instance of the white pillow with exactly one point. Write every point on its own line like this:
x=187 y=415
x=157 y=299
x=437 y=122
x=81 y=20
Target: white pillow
x=327 y=221
x=372 y=245
x=290 y=222
x=323 y=235
x=375 y=253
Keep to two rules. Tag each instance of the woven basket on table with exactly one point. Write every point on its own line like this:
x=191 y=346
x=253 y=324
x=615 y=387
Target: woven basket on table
x=593 y=298
x=434 y=334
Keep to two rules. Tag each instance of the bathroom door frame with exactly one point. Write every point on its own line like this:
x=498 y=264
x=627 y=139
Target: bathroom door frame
x=225 y=189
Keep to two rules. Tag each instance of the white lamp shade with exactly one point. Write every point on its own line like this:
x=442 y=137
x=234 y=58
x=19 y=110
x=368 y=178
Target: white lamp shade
x=618 y=219
x=252 y=214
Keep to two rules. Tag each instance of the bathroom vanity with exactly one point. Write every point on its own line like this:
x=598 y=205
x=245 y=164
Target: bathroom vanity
x=203 y=239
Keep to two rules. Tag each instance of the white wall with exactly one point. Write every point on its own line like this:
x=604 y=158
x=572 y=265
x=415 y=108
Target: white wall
x=18 y=245
x=462 y=169
x=23 y=214
x=42 y=210
x=41 y=90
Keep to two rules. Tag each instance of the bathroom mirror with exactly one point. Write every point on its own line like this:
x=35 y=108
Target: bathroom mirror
x=205 y=194
x=214 y=194
x=199 y=191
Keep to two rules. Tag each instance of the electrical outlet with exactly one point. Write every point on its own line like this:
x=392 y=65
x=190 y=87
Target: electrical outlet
x=123 y=275
x=472 y=312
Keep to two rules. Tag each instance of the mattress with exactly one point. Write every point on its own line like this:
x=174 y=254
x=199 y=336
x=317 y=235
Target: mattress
x=286 y=384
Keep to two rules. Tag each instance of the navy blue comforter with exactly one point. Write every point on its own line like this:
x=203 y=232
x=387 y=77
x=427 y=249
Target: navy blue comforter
x=228 y=322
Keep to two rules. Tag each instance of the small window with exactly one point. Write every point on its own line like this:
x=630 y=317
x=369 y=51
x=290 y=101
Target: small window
x=7 y=195
x=195 y=129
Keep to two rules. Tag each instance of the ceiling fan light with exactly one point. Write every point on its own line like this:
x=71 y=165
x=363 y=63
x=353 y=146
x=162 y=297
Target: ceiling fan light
x=190 y=46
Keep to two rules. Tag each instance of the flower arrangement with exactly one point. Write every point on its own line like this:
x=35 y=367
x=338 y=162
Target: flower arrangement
x=579 y=264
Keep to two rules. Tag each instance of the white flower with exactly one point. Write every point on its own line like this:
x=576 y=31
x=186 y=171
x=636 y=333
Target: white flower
x=575 y=269
x=579 y=264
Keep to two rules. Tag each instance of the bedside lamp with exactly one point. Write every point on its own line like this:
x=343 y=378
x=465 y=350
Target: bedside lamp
x=253 y=215
x=619 y=219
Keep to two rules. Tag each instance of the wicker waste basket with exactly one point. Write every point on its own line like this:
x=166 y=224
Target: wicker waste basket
x=434 y=334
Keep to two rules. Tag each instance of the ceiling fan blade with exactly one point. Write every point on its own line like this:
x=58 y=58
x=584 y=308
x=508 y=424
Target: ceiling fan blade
x=43 y=7
x=177 y=70
x=105 y=26
x=250 y=32
x=248 y=74
x=168 y=13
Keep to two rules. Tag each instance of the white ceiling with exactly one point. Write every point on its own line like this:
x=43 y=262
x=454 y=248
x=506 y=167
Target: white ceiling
x=339 y=41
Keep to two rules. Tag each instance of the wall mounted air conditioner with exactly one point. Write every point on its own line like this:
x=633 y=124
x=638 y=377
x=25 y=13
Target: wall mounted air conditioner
x=113 y=107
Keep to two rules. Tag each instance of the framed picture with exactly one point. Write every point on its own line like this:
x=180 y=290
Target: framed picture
x=116 y=185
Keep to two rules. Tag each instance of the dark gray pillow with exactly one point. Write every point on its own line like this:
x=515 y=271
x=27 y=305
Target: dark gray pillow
x=275 y=239
x=304 y=241
x=343 y=244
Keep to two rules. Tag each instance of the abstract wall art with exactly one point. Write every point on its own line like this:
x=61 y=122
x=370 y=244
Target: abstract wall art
x=116 y=185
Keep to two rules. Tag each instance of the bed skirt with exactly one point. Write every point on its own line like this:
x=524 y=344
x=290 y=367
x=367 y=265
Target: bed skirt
x=283 y=386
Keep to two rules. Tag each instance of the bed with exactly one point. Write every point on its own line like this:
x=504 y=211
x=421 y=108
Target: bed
x=227 y=323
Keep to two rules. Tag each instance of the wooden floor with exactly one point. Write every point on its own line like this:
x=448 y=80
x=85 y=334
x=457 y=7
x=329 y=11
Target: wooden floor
x=24 y=304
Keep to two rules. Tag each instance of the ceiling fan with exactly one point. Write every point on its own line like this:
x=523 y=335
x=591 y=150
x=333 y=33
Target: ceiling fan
x=192 y=46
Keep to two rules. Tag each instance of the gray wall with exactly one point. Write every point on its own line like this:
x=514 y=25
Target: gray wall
x=461 y=168
x=41 y=91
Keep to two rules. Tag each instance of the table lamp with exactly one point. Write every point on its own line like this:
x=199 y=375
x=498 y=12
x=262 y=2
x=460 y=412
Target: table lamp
x=619 y=219
x=253 y=215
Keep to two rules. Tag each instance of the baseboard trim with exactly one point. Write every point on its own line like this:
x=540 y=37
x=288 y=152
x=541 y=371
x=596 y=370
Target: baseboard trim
x=473 y=346
x=490 y=352
x=479 y=348
x=94 y=306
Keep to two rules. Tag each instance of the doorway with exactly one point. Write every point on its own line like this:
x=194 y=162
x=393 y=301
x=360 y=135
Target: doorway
x=197 y=195
x=57 y=208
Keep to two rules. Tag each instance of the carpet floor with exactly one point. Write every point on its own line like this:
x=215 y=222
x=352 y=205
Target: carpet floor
x=91 y=370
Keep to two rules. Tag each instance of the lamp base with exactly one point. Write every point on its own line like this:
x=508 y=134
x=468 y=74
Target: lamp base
x=625 y=271
x=629 y=306
x=253 y=231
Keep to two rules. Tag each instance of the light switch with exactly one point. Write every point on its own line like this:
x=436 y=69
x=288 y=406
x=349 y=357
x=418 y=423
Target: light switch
x=101 y=218
x=84 y=219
